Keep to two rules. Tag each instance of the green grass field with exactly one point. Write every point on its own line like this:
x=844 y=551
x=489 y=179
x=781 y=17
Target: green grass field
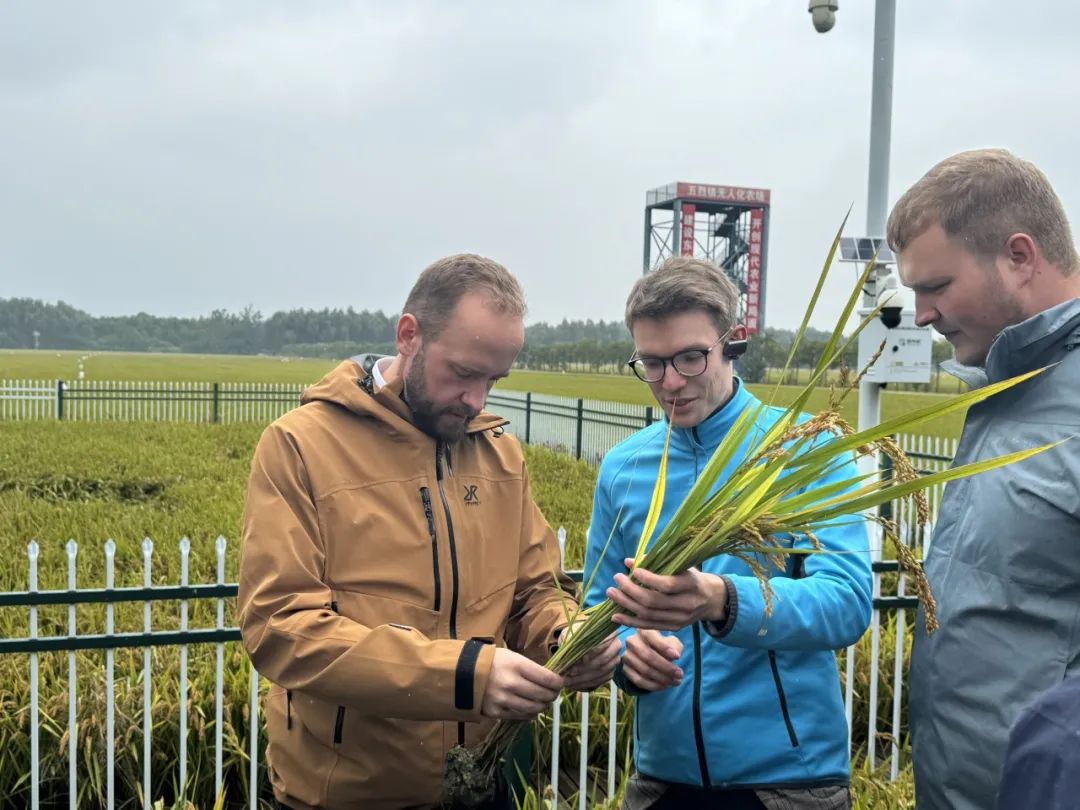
x=617 y=388
x=53 y=365
x=22 y=364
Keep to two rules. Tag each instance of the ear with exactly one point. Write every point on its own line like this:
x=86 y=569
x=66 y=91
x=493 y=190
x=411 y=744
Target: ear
x=1022 y=255
x=408 y=336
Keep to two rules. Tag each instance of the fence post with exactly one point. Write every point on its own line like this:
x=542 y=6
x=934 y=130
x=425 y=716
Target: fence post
x=59 y=400
x=886 y=467
x=528 y=415
x=217 y=403
x=648 y=415
x=580 y=426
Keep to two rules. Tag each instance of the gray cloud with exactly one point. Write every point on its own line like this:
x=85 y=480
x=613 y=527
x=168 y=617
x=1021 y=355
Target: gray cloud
x=175 y=158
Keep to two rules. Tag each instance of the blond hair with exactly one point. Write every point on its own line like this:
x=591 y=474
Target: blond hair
x=684 y=284
x=435 y=295
x=980 y=198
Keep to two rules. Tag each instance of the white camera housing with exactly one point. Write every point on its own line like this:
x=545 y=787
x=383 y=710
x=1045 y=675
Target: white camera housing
x=906 y=355
x=823 y=14
x=894 y=301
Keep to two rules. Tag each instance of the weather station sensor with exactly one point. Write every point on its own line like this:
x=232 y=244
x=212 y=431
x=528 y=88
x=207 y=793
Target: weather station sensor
x=906 y=356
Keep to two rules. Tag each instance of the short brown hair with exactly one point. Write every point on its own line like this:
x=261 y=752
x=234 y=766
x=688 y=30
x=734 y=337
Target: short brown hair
x=436 y=293
x=980 y=198
x=683 y=284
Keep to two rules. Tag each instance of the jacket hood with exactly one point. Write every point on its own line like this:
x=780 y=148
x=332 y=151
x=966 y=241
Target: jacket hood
x=350 y=387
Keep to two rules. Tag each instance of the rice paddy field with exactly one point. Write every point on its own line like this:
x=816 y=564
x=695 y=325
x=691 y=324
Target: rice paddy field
x=127 y=481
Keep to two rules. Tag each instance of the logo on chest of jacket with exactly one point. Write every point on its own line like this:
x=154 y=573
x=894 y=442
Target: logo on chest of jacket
x=471 y=498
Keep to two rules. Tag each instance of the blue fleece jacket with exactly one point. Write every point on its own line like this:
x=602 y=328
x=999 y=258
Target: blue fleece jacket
x=760 y=703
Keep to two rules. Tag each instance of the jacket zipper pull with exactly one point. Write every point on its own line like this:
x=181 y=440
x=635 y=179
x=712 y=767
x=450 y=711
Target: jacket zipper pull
x=339 y=725
x=425 y=499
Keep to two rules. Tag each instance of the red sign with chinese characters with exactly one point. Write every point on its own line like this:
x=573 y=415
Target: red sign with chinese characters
x=686 y=234
x=711 y=193
x=753 y=270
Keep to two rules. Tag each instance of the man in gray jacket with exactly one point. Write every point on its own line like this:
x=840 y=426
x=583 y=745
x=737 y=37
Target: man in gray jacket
x=984 y=243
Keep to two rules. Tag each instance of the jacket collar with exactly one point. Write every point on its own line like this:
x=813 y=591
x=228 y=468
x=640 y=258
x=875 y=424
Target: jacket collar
x=710 y=432
x=350 y=387
x=1024 y=346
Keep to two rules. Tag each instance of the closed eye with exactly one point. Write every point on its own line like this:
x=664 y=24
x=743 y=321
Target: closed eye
x=930 y=289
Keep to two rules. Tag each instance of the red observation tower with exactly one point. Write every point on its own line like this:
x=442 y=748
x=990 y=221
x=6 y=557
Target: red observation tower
x=726 y=225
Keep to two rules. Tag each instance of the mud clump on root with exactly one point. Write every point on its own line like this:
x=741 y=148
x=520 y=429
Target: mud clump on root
x=467 y=783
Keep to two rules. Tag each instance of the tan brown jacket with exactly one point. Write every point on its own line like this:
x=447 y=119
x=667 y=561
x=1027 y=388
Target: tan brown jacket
x=373 y=559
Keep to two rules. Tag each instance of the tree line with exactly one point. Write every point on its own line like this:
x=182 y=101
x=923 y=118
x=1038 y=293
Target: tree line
x=334 y=333
x=26 y=323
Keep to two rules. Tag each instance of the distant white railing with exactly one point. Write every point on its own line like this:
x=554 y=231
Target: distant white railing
x=142 y=401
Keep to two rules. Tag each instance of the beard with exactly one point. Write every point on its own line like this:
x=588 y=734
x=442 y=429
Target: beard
x=445 y=423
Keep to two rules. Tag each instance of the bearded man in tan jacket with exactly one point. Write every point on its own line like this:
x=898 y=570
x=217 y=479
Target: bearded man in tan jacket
x=397 y=580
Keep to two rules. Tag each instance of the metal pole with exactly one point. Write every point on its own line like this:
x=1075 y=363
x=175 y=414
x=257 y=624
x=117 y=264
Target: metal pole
x=877 y=198
x=528 y=416
x=646 y=264
x=580 y=427
x=877 y=193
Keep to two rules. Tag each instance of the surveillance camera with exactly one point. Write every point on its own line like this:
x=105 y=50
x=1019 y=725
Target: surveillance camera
x=823 y=13
x=892 y=302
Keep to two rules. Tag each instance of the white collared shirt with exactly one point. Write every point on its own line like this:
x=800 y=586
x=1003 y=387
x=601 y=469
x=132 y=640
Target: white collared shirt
x=376 y=371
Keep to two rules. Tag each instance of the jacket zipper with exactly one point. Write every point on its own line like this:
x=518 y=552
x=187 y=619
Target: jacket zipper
x=699 y=736
x=450 y=535
x=453 y=558
x=783 y=699
x=339 y=724
x=425 y=498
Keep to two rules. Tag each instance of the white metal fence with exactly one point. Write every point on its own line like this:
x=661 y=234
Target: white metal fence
x=28 y=399
x=141 y=401
x=37 y=645
x=590 y=778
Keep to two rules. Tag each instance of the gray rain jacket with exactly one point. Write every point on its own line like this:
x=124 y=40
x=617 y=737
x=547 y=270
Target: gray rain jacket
x=1004 y=565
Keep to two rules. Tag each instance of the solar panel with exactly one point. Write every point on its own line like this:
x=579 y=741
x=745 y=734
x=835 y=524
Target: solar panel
x=863 y=250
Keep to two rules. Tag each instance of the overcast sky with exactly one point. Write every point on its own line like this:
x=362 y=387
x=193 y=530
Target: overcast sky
x=179 y=157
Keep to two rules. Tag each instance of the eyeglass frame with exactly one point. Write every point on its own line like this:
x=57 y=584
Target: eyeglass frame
x=634 y=358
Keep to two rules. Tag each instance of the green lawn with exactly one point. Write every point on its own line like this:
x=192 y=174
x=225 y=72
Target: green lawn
x=23 y=364
x=18 y=364
x=629 y=389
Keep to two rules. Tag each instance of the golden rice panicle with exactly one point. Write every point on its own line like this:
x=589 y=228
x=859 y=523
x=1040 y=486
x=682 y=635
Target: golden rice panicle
x=911 y=566
x=903 y=470
x=762 y=575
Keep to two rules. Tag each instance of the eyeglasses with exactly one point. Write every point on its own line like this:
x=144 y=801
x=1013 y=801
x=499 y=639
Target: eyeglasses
x=688 y=363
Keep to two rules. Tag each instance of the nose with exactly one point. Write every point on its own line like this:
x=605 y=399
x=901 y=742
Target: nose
x=673 y=380
x=924 y=313
x=475 y=396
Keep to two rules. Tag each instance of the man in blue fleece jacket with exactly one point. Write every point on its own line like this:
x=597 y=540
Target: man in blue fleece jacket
x=736 y=708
